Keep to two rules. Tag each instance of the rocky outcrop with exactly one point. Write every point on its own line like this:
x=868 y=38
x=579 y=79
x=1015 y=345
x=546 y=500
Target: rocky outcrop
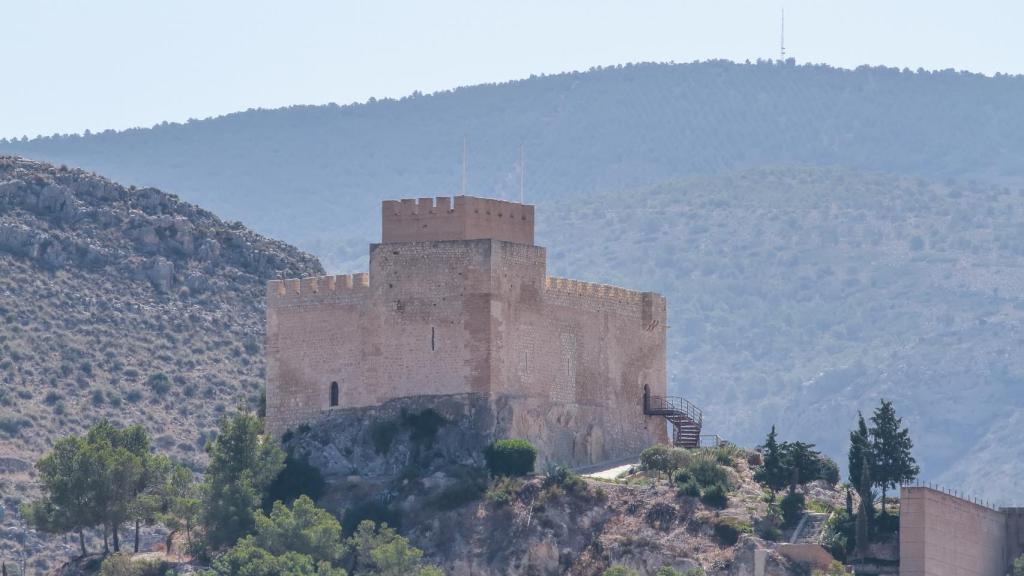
x=63 y=218
x=103 y=287
x=432 y=433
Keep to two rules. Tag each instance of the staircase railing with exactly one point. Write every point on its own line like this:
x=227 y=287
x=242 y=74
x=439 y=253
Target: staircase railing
x=672 y=406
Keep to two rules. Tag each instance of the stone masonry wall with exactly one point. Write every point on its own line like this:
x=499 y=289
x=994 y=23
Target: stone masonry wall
x=564 y=363
x=468 y=218
x=942 y=535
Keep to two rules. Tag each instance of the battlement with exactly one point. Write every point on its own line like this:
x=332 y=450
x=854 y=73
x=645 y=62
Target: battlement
x=593 y=290
x=316 y=287
x=468 y=218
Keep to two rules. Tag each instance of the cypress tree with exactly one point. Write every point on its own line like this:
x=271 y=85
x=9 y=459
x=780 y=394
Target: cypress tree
x=892 y=461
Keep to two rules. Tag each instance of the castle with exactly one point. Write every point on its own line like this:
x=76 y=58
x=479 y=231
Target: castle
x=458 y=303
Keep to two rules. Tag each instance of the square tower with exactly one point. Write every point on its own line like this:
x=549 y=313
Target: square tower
x=458 y=303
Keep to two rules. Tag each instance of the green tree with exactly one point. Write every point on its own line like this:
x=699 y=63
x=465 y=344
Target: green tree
x=303 y=528
x=243 y=463
x=865 y=514
x=860 y=458
x=1018 y=566
x=91 y=480
x=248 y=559
x=801 y=462
x=892 y=461
x=773 y=473
x=860 y=451
x=67 y=475
x=301 y=540
x=180 y=504
x=380 y=551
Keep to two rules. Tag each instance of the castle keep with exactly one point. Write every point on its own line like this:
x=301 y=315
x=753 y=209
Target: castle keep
x=458 y=303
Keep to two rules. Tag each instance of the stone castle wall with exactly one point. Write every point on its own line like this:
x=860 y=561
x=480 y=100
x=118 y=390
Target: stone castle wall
x=564 y=363
x=458 y=302
x=468 y=218
x=942 y=535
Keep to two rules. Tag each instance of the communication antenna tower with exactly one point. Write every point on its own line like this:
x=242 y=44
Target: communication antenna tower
x=465 y=156
x=782 y=36
x=522 y=172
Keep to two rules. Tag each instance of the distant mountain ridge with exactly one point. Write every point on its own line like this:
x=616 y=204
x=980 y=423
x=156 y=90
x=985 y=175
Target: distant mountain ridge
x=310 y=174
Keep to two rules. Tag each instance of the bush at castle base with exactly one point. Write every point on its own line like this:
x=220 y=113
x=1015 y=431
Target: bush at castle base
x=510 y=457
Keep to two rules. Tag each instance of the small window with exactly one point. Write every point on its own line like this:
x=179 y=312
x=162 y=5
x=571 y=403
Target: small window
x=432 y=338
x=334 y=394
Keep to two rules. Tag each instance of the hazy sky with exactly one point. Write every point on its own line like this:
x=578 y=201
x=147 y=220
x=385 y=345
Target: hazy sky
x=70 y=65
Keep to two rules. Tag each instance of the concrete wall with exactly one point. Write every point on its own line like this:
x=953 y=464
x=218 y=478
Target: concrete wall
x=564 y=363
x=942 y=535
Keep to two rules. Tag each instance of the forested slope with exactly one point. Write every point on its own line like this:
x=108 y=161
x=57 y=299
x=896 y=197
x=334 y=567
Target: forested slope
x=312 y=175
x=799 y=296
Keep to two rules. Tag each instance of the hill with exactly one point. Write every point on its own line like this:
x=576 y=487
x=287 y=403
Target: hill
x=309 y=175
x=799 y=296
x=126 y=304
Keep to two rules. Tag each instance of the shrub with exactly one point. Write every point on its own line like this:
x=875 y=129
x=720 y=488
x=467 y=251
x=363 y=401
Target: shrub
x=503 y=491
x=689 y=488
x=716 y=496
x=11 y=424
x=122 y=565
x=792 y=506
x=663 y=458
x=159 y=383
x=510 y=457
x=565 y=478
x=770 y=533
x=681 y=477
x=829 y=471
x=661 y=516
x=382 y=434
x=728 y=530
x=708 y=472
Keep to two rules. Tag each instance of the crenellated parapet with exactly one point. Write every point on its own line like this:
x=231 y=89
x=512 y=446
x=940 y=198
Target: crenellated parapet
x=315 y=288
x=467 y=218
x=648 y=306
x=592 y=290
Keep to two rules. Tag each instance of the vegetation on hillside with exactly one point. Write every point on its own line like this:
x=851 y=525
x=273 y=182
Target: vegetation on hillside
x=110 y=477
x=812 y=293
x=311 y=174
x=879 y=457
x=126 y=305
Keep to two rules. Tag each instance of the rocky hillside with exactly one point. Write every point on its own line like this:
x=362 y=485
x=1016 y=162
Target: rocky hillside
x=799 y=296
x=122 y=303
x=417 y=463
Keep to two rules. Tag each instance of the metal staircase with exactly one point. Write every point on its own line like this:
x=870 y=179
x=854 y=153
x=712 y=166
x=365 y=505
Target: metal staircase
x=686 y=418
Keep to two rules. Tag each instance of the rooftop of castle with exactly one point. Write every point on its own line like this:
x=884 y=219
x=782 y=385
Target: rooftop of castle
x=467 y=218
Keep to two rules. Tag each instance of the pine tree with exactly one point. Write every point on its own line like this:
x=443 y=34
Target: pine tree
x=243 y=463
x=802 y=463
x=891 y=462
x=860 y=458
x=772 y=473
